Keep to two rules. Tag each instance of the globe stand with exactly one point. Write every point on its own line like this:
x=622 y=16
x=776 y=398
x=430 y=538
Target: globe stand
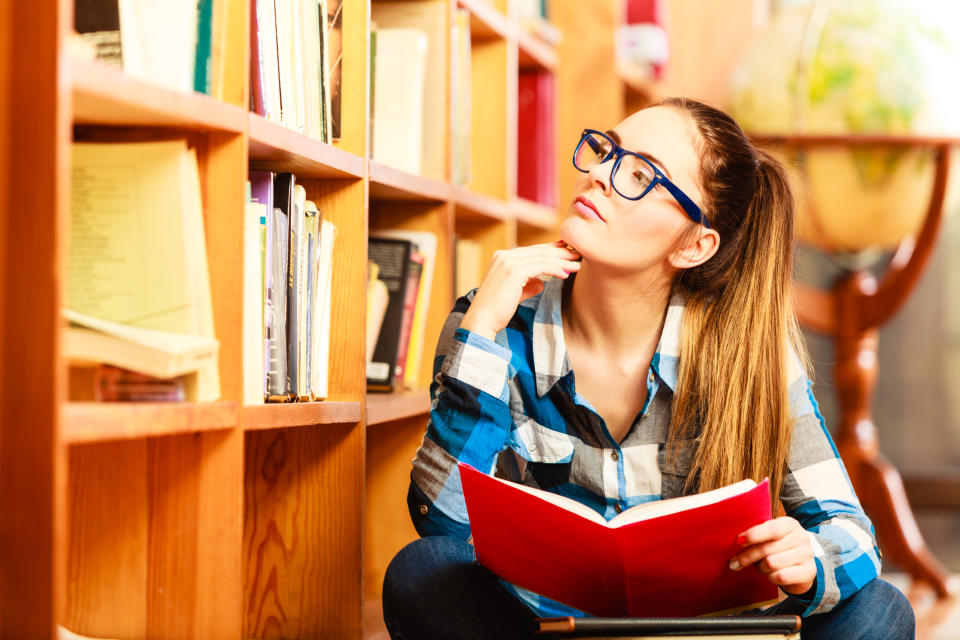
x=851 y=313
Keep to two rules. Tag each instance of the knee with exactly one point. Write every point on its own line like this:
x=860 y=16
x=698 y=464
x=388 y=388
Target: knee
x=886 y=610
x=415 y=566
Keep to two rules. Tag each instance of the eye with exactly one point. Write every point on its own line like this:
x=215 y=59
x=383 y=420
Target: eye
x=599 y=146
x=643 y=176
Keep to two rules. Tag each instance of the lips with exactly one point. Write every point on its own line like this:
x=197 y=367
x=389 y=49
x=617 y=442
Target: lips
x=587 y=208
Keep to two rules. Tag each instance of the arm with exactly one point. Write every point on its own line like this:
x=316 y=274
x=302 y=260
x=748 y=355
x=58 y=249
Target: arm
x=470 y=416
x=824 y=550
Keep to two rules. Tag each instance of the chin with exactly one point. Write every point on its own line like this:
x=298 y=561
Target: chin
x=576 y=232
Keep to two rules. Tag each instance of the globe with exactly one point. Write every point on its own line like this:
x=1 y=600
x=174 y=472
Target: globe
x=856 y=67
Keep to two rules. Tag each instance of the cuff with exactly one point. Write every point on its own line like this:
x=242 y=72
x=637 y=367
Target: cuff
x=479 y=362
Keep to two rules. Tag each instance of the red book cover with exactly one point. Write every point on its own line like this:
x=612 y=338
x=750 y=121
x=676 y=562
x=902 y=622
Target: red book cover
x=546 y=158
x=414 y=275
x=666 y=565
x=528 y=135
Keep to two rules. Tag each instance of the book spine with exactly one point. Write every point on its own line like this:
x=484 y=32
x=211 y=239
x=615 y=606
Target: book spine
x=293 y=300
x=414 y=275
x=257 y=59
x=276 y=306
x=201 y=71
x=393 y=258
x=114 y=384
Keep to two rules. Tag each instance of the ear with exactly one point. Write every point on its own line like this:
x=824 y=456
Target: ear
x=699 y=248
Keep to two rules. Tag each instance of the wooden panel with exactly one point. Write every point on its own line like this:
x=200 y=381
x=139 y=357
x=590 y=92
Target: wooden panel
x=302 y=533
x=490 y=236
x=438 y=219
x=355 y=77
x=103 y=95
x=489 y=155
x=486 y=21
x=387 y=183
x=479 y=206
x=36 y=131
x=387 y=407
x=276 y=416
x=108 y=524
x=277 y=148
x=193 y=548
x=223 y=169
x=101 y=421
x=390 y=449
x=588 y=91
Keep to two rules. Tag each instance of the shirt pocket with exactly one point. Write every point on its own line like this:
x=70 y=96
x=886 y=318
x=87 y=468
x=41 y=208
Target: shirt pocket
x=675 y=461
x=542 y=455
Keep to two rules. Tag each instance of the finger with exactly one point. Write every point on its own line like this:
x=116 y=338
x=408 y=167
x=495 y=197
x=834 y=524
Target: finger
x=769 y=530
x=784 y=559
x=793 y=575
x=549 y=249
x=533 y=287
x=758 y=552
x=532 y=267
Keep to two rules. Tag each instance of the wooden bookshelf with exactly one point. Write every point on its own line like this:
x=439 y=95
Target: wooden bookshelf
x=389 y=407
x=107 y=421
x=226 y=520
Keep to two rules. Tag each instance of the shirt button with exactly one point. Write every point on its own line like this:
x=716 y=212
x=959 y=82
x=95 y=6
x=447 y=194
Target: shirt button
x=651 y=376
x=617 y=508
x=424 y=509
x=614 y=456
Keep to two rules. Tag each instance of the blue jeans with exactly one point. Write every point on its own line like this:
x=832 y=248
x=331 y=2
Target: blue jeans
x=435 y=590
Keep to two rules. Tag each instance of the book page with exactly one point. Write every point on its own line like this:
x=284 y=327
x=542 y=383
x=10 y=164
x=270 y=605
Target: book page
x=569 y=504
x=675 y=505
x=127 y=240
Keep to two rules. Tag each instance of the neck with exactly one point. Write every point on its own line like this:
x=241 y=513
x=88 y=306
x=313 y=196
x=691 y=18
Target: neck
x=615 y=313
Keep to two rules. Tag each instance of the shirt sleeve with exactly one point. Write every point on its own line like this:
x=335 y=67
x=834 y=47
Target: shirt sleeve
x=469 y=422
x=817 y=492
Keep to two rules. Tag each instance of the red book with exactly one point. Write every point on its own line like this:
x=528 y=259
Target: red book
x=661 y=559
x=529 y=143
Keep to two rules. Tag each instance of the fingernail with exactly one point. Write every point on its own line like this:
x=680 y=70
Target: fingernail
x=566 y=271
x=734 y=565
x=741 y=540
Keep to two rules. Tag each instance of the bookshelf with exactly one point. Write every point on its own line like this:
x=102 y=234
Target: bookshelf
x=226 y=520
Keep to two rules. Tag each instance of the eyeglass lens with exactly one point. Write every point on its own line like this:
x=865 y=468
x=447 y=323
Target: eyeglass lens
x=632 y=177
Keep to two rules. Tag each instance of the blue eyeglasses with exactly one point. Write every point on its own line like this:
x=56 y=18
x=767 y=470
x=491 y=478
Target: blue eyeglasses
x=632 y=175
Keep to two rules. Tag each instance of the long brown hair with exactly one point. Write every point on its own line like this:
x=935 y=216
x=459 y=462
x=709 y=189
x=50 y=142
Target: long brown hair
x=739 y=323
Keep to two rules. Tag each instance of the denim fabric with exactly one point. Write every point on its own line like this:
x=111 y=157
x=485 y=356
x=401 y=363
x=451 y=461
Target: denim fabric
x=435 y=590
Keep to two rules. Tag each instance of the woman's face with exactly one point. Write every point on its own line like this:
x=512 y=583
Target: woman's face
x=636 y=235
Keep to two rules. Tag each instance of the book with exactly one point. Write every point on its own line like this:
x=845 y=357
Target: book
x=204 y=50
x=161 y=354
x=467 y=266
x=425 y=243
x=138 y=250
x=377 y=299
x=253 y=342
x=308 y=334
x=660 y=559
x=432 y=19
x=278 y=386
x=535 y=155
x=323 y=303
x=159 y=40
x=393 y=257
x=745 y=626
x=98 y=22
x=264 y=63
x=461 y=99
x=333 y=50
x=113 y=384
x=261 y=192
x=414 y=278
x=398 y=121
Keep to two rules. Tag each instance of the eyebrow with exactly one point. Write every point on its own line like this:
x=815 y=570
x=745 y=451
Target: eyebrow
x=652 y=158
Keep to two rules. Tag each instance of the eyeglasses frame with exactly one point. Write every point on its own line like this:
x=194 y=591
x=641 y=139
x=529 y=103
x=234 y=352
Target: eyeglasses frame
x=689 y=206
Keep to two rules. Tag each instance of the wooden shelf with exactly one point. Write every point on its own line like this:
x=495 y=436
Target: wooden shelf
x=278 y=148
x=106 y=96
x=297 y=414
x=486 y=23
x=388 y=407
x=387 y=183
x=543 y=30
x=103 y=421
x=534 y=53
x=470 y=205
x=535 y=214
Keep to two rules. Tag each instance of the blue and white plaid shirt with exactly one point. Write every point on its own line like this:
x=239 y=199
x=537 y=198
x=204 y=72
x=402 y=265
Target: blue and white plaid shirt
x=510 y=407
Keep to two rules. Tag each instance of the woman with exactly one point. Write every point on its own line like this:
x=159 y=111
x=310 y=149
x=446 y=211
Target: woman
x=652 y=352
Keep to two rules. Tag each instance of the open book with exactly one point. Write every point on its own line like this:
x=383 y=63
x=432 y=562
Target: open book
x=658 y=559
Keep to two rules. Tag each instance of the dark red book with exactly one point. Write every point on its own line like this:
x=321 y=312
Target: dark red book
x=535 y=140
x=664 y=558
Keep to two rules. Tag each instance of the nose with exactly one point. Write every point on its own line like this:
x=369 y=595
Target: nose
x=600 y=174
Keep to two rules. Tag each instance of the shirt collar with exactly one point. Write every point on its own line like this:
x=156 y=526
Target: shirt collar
x=550 y=361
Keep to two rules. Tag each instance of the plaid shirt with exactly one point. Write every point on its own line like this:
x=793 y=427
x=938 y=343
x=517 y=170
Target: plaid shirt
x=510 y=407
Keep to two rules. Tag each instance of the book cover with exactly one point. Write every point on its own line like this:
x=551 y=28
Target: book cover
x=264 y=63
x=414 y=278
x=295 y=294
x=746 y=626
x=253 y=341
x=201 y=67
x=398 y=121
x=659 y=559
x=261 y=191
x=377 y=299
x=159 y=40
x=113 y=384
x=98 y=22
x=319 y=382
x=333 y=45
x=308 y=350
x=278 y=378
x=393 y=257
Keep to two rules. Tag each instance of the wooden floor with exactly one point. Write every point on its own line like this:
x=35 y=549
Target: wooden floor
x=935 y=620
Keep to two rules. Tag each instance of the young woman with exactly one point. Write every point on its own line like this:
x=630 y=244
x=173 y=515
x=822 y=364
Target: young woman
x=653 y=351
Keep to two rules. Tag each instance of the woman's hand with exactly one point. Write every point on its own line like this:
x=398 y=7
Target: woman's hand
x=781 y=549
x=511 y=279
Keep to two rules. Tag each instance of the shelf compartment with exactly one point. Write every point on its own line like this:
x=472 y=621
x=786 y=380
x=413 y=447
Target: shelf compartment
x=388 y=407
x=472 y=205
x=535 y=214
x=277 y=148
x=298 y=414
x=105 y=421
x=103 y=95
x=387 y=183
x=486 y=22
x=534 y=53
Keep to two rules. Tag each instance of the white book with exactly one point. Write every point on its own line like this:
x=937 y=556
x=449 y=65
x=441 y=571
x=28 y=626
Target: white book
x=269 y=63
x=319 y=383
x=310 y=25
x=253 y=344
x=159 y=41
x=398 y=105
